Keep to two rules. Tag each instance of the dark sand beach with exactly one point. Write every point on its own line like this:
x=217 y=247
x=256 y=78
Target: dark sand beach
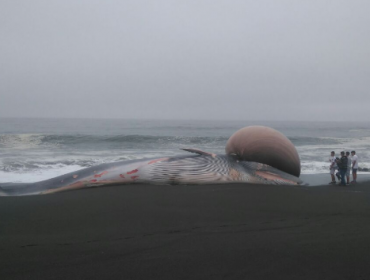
x=188 y=232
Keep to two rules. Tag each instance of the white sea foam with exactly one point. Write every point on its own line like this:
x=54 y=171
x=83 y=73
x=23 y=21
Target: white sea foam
x=22 y=176
x=314 y=167
x=20 y=141
x=24 y=141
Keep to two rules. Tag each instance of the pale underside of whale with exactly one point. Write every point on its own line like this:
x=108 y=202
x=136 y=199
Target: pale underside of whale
x=201 y=168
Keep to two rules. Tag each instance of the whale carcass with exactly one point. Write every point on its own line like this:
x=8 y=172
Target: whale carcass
x=265 y=162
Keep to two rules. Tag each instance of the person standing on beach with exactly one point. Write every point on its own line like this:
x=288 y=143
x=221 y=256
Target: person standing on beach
x=354 y=167
x=342 y=164
x=333 y=167
x=348 y=174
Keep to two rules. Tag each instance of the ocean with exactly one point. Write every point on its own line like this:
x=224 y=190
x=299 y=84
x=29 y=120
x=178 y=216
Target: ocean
x=36 y=149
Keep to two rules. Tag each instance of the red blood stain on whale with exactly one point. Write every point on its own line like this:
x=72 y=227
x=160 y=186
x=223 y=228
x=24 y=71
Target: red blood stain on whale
x=132 y=171
x=122 y=176
x=101 y=174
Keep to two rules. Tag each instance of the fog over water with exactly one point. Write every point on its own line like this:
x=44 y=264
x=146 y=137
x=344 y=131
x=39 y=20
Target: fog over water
x=227 y=60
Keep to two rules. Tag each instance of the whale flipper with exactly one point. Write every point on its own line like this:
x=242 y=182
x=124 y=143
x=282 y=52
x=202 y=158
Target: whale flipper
x=199 y=152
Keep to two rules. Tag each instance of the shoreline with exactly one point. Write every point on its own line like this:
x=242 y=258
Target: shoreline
x=322 y=179
x=310 y=179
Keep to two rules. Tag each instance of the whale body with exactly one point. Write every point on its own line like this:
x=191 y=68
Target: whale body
x=199 y=168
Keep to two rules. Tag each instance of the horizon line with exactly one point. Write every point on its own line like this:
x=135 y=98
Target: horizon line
x=183 y=119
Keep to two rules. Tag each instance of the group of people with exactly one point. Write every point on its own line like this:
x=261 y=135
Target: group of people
x=344 y=164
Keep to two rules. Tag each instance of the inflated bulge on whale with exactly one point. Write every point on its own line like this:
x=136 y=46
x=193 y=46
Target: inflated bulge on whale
x=265 y=145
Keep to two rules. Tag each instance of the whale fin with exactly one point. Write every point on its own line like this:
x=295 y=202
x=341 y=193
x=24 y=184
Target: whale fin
x=269 y=175
x=278 y=178
x=199 y=152
x=272 y=174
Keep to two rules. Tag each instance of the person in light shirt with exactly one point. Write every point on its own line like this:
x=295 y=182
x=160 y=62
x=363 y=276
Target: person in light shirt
x=348 y=174
x=354 y=167
x=332 y=167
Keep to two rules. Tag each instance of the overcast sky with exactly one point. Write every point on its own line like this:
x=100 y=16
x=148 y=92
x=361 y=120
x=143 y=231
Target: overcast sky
x=245 y=60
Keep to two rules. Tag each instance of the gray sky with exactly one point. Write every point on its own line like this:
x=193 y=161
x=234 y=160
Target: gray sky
x=252 y=60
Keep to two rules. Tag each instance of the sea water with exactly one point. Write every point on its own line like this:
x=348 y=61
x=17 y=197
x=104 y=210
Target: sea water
x=36 y=149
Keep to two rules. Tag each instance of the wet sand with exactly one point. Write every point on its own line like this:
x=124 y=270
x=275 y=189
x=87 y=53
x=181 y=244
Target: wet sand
x=188 y=232
x=325 y=179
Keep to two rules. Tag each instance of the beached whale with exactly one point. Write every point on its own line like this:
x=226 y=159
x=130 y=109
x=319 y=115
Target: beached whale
x=200 y=167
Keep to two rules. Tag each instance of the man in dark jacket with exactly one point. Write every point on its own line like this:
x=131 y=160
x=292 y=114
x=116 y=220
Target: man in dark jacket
x=342 y=165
